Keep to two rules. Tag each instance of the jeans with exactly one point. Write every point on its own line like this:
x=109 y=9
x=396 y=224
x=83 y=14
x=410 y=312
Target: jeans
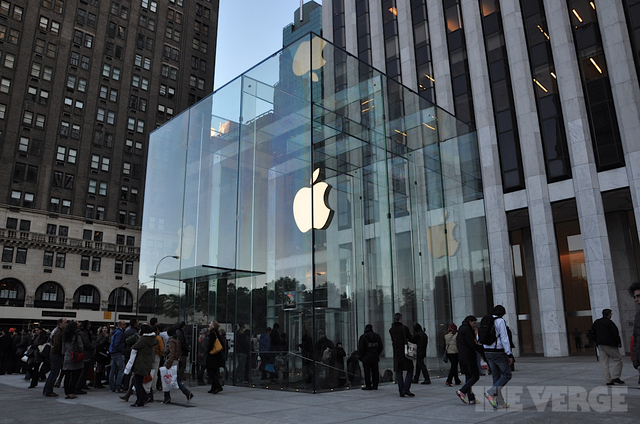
x=117 y=371
x=453 y=371
x=56 y=366
x=240 y=369
x=371 y=374
x=404 y=385
x=420 y=366
x=71 y=381
x=467 y=389
x=500 y=371
x=141 y=393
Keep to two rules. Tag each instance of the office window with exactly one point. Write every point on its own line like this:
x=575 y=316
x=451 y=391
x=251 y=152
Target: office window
x=100 y=213
x=7 y=254
x=86 y=62
x=105 y=164
x=95 y=264
x=89 y=211
x=47 y=260
x=134 y=195
x=16 y=197
x=95 y=161
x=60 y=259
x=128 y=269
x=88 y=40
x=5 y=85
x=9 y=60
x=93 y=186
x=118 y=267
x=27 y=118
x=21 y=255
x=66 y=207
x=84 y=263
x=71 y=157
x=75 y=131
x=102 y=191
x=82 y=85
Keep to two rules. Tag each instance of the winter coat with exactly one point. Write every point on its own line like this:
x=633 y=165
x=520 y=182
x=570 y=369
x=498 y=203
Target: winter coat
x=40 y=340
x=606 y=332
x=144 y=355
x=203 y=342
x=118 y=344
x=217 y=360
x=67 y=347
x=467 y=348
x=321 y=345
x=636 y=342
x=173 y=354
x=370 y=347
x=450 y=343
x=400 y=334
x=184 y=346
x=160 y=347
x=24 y=345
x=89 y=352
x=421 y=340
x=243 y=341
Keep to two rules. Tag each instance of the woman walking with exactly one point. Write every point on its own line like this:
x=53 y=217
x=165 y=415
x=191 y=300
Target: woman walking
x=73 y=362
x=102 y=356
x=468 y=350
x=215 y=361
x=173 y=355
x=452 y=353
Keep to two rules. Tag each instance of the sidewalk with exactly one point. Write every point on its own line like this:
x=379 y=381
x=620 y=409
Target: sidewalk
x=542 y=390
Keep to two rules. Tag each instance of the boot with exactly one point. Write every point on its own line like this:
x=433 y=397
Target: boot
x=125 y=397
x=151 y=395
x=167 y=398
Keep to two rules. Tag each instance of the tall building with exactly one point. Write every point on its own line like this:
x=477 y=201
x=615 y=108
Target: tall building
x=82 y=83
x=306 y=19
x=552 y=89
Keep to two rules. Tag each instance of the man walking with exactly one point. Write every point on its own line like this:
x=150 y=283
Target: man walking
x=421 y=340
x=634 y=290
x=608 y=343
x=55 y=357
x=497 y=349
x=400 y=335
x=369 y=350
x=116 y=349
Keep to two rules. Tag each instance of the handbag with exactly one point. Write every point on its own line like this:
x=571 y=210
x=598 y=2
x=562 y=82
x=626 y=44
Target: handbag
x=77 y=356
x=269 y=368
x=410 y=351
x=217 y=347
x=445 y=358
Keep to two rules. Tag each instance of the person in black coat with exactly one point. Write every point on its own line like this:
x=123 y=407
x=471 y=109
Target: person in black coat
x=400 y=334
x=608 y=342
x=214 y=362
x=369 y=350
x=467 y=356
x=421 y=341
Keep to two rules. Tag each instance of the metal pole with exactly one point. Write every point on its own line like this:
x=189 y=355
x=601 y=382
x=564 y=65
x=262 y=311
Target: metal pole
x=115 y=317
x=154 y=280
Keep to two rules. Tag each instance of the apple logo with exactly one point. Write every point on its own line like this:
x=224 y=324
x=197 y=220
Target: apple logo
x=440 y=239
x=303 y=64
x=322 y=213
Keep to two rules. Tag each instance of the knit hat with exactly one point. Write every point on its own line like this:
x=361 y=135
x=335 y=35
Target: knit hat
x=11 y=330
x=368 y=327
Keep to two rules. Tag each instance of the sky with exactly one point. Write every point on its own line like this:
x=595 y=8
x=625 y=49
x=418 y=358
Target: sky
x=248 y=32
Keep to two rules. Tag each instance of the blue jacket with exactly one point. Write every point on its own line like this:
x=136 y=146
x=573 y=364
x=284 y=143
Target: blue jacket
x=117 y=342
x=265 y=343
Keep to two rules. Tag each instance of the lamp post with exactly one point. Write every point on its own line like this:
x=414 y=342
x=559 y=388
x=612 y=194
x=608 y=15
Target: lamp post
x=154 y=279
x=115 y=314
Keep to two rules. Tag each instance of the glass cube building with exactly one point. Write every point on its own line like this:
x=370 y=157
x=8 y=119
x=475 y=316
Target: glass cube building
x=315 y=193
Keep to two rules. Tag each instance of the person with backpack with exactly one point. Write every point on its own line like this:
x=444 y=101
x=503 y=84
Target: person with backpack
x=493 y=335
x=369 y=350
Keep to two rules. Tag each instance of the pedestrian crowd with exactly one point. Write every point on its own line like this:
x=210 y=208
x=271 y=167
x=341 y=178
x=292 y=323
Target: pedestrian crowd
x=143 y=358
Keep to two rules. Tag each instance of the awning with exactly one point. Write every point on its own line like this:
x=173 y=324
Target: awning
x=205 y=272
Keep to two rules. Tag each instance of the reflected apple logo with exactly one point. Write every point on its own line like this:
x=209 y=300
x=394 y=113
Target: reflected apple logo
x=319 y=198
x=440 y=239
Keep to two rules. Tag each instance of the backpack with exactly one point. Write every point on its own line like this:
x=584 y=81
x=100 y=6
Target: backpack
x=487 y=330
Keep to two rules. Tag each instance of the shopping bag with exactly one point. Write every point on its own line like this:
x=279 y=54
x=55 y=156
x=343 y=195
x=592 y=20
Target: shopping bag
x=148 y=380
x=411 y=351
x=169 y=378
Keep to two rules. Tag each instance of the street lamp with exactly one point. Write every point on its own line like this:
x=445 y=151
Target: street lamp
x=154 y=279
x=115 y=314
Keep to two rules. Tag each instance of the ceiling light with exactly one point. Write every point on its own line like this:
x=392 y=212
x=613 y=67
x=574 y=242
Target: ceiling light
x=553 y=75
x=540 y=85
x=595 y=64
x=429 y=77
x=576 y=13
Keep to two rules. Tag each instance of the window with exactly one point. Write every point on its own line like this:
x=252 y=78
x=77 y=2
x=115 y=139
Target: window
x=128 y=269
x=86 y=62
x=4 y=8
x=81 y=16
x=100 y=213
x=3 y=110
x=100 y=114
x=92 y=20
x=52 y=229
x=111 y=117
x=95 y=161
x=27 y=118
x=132 y=218
x=44 y=97
x=12 y=224
x=108 y=140
x=140 y=126
x=93 y=184
x=17 y=13
x=71 y=81
x=118 y=267
x=62 y=151
x=16 y=197
x=47 y=260
x=21 y=255
x=63 y=231
x=134 y=195
x=105 y=164
x=7 y=254
x=9 y=60
x=36 y=68
x=47 y=74
x=102 y=191
x=54 y=204
x=84 y=263
x=126 y=168
x=89 y=211
x=95 y=264
x=60 y=259
x=77 y=35
x=75 y=131
x=131 y=124
x=28 y=200
x=68 y=181
x=14 y=37
x=52 y=49
x=71 y=157
x=119 y=239
x=88 y=40
x=57 y=179
x=66 y=207
x=5 y=85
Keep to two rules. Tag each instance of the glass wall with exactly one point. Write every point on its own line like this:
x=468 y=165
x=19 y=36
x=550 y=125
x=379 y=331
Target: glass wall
x=293 y=202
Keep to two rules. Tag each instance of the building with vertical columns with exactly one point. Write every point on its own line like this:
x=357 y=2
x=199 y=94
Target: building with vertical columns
x=82 y=84
x=552 y=90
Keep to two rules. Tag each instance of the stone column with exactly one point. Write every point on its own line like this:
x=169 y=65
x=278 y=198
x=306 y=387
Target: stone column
x=547 y=264
x=440 y=55
x=597 y=255
x=497 y=231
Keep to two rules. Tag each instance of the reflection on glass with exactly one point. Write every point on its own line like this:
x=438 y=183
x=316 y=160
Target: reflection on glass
x=301 y=212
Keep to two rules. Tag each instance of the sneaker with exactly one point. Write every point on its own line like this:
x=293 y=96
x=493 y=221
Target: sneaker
x=166 y=401
x=189 y=396
x=462 y=397
x=618 y=381
x=503 y=406
x=119 y=391
x=474 y=402
x=449 y=384
x=491 y=399
x=147 y=400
